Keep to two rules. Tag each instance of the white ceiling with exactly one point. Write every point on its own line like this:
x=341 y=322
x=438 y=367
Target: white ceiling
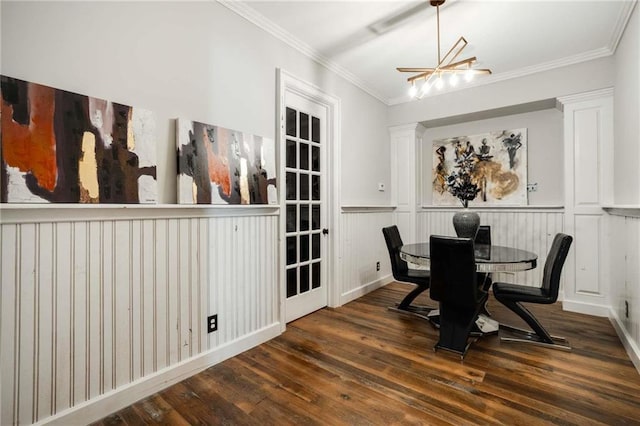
x=512 y=38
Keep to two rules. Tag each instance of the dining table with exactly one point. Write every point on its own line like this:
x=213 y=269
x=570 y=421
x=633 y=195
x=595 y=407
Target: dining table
x=489 y=258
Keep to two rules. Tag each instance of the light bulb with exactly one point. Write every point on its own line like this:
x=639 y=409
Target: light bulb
x=413 y=91
x=468 y=75
x=453 y=80
x=439 y=83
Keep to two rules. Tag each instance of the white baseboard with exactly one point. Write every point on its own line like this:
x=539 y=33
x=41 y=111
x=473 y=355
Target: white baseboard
x=364 y=289
x=627 y=341
x=586 y=308
x=99 y=407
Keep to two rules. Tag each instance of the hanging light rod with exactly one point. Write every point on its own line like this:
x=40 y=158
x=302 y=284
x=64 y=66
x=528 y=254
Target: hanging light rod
x=446 y=65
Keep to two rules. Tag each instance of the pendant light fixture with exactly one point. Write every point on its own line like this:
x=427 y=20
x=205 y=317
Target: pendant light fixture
x=449 y=67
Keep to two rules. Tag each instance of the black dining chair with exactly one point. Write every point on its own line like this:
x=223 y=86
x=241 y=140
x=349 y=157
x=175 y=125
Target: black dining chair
x=454 y=284
x=402 y=272
x=513 y=295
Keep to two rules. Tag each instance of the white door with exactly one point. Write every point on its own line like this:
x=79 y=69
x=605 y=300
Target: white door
x=305 y=233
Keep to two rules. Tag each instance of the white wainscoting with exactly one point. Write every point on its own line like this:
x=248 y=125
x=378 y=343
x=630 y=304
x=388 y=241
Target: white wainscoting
x=361 y=246
x=531 y=229
x=94 y=308
x=624 y=256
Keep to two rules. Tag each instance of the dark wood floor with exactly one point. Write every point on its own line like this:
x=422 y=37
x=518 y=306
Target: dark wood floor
x=362 y=364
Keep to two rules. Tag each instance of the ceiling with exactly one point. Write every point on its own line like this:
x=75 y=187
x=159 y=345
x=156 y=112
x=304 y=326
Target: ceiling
x=364 y=41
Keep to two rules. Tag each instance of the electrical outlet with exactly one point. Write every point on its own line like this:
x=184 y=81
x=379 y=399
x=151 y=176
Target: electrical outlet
x=377 y=266
x=626 y=309
x=212 y=323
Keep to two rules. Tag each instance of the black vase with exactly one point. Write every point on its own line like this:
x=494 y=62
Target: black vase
x=466 y=223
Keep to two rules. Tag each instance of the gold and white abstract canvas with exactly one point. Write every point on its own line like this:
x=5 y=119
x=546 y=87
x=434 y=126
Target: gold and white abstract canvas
x=499 y=167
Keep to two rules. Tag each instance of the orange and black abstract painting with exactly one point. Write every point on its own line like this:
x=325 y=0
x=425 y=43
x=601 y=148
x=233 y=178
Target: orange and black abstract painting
x=217 y=165
x=62 y=147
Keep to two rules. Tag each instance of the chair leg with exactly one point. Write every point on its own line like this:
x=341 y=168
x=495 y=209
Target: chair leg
x=540 y=335
x=406 y=302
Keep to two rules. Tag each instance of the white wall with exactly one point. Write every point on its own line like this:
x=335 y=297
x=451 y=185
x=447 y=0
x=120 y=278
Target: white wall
x=625 y=225
x=544 y=153
x=627 y=114
x=197 y=60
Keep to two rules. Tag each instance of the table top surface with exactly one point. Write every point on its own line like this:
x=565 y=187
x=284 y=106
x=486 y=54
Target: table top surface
x=484 y=253
x=488 y=258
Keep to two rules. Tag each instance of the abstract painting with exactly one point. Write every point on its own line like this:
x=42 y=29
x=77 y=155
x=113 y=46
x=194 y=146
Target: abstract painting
x=62 y=147
x=222 y=166
x=495 y=167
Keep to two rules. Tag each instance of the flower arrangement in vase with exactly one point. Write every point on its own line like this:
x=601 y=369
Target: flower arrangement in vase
x=460 y=184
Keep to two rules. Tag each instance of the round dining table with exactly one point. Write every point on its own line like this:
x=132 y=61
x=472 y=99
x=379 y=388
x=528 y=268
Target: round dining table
x=489 y=258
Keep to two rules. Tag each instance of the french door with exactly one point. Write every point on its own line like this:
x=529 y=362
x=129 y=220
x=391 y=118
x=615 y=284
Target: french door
x=305 y=236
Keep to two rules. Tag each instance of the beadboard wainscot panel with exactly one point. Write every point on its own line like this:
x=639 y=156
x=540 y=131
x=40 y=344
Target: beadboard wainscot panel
x=528 y=228
x=102 y=306
x=624 y=249
x=362 y=245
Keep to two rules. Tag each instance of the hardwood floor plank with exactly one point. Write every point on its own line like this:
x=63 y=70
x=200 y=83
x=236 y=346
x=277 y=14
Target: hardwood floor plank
x=362 y=364
x=155 y=410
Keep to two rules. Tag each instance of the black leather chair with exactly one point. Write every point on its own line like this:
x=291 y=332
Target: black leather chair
x=483 y=236
x=513 y=295
x=455 y=286
x=402 y=272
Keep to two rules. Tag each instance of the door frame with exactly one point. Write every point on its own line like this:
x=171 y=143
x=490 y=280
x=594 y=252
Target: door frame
x=287 y=82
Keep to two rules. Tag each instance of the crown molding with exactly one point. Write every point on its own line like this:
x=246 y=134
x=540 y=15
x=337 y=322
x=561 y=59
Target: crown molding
x=259 y=20
x=251 y=15
x=621 y=24
x=582 y=97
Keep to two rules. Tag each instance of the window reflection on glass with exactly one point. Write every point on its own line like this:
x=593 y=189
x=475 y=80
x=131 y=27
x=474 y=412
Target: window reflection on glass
x=315 y=158
x=315 y=187
x=291 y=186
x=315 y=217
x=304 y=278
x=304 y=126
x=304 y=217
x=292 y=282
x=304 y=248
x=291 y=153
x=291 y=217
x=315 y=246
x=304 y=156
x=304 y=186
x=291 y=122
x=315 y=129
x=291 y=250
x=315 y=270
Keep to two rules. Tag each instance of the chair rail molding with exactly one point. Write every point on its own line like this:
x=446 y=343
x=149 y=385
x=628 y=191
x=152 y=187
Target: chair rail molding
x=588 y=177
x=406 y=155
